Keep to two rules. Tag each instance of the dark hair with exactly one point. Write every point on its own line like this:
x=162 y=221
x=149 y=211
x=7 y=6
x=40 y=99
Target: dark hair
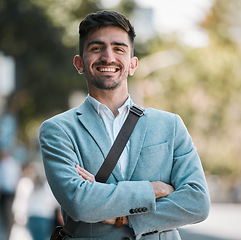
x=103 y=19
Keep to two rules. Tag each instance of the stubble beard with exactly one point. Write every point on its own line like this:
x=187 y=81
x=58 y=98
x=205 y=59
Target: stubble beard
x=105 y=83
x=102 y=84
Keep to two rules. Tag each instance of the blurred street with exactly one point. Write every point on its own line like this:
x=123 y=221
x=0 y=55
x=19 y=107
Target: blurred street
x=223 y=223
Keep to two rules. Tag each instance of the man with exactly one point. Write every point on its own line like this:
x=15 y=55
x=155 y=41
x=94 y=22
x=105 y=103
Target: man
x=158 y=183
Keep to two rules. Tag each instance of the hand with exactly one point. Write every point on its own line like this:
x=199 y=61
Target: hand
x=85 y=174
x=162 y=189
x=113 y=221
x=110 y=221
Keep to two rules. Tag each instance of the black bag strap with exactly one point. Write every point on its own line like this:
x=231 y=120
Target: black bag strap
x=119 y=144
x=111 y=160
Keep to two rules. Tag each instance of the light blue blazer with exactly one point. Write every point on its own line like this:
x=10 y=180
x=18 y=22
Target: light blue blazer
x=160 y=149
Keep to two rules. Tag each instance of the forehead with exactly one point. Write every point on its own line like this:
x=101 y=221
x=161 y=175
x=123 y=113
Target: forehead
x=108 y=35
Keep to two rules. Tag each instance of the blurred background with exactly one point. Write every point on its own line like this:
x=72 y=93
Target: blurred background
x=189 y=63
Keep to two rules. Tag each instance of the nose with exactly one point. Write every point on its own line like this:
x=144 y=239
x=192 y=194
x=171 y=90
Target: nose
x=108 y=55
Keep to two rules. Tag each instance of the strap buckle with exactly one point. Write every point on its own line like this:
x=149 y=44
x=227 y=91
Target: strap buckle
x=58 y=234
x=61 y=236
x=139 y=111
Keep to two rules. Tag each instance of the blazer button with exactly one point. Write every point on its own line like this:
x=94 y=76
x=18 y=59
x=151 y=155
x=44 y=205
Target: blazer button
x=144 y=209
x=139 y=210
x=132 y=211
x=136 y=210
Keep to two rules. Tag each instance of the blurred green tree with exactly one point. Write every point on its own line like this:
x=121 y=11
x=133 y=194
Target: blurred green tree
x=42 y=36
x=203 y=86
x=44 y=71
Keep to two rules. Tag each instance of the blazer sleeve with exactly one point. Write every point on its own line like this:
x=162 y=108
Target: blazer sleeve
x=190 y=202
x=83 y=200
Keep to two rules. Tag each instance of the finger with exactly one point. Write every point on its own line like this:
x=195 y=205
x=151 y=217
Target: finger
x=110 y=221
x=85 y=174
x=79 y=172
x=84 y=171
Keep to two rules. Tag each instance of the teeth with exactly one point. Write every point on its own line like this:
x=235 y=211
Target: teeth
x=107 y=69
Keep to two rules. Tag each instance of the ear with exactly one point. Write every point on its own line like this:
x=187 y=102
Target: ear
x=78 y=64
x=133 y=65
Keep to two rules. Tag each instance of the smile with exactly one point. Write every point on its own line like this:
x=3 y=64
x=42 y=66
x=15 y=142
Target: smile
x=107 y=69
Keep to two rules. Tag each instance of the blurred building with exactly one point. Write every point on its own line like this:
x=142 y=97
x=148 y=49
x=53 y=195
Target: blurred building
x=7 y=78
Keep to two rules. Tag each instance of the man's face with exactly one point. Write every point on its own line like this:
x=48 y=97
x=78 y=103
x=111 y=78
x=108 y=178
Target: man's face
x=106 y=60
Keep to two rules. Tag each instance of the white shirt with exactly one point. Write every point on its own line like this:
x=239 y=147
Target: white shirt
x=113 y=125
x=10 y=172
x=42 y=202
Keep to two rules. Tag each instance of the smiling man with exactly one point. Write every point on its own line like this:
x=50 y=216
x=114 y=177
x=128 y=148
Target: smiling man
x=107 y=60
x=158 y=183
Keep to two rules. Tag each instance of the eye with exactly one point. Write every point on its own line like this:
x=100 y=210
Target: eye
x=95 y=49
x=118 y=49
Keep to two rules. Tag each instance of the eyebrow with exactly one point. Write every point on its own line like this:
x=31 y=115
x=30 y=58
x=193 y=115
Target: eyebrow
x=120 y=44
x=102 y=43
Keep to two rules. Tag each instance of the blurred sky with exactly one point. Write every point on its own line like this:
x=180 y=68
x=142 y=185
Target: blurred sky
x=174 y=16
x=182 y=17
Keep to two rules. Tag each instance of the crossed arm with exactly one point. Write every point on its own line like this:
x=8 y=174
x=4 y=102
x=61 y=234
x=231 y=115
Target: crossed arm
x=160 y=189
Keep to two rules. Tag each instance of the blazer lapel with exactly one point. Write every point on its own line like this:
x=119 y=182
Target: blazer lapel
x=136 y=142
x=94 y=125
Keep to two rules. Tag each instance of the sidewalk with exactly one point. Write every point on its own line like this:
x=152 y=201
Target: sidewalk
x=223 y=223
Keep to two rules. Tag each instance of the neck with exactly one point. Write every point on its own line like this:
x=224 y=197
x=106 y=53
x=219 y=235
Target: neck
x=111 y=98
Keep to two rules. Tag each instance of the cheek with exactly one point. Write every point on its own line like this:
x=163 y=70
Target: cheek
x=87 y=66
x=88 y=60
x=125 y=62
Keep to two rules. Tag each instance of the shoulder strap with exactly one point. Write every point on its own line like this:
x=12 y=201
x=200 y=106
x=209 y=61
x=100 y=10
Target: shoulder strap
x=112 y=158
x=119 y=144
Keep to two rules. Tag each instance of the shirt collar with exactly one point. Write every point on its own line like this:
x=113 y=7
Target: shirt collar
x=98 y=105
